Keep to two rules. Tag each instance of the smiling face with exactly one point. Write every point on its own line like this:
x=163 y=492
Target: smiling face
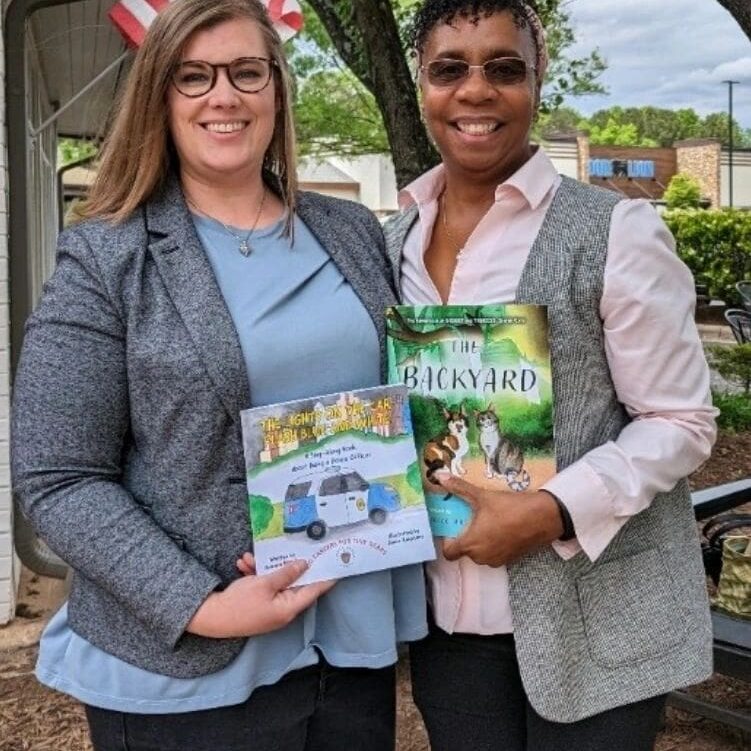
x=482 y=131
x=222 y=136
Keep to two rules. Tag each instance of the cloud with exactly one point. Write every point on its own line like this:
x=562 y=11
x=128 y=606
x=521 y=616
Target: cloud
x=665 y=53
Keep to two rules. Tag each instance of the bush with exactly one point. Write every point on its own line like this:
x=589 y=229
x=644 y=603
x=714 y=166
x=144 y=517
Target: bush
x=733 y=363
x=716 y=246
x=683 y=192
x=735 y=411
x=261 y=513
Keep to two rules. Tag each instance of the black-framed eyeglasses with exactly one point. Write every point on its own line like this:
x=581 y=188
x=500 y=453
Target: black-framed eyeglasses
x=501 y=71
x=247 y=74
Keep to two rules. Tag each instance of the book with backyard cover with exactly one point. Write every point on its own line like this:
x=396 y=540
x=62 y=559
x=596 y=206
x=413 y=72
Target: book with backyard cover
x=334 y=480
x=481 y=397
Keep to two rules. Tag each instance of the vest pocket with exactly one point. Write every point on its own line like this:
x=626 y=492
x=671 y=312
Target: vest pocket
x=629 y=610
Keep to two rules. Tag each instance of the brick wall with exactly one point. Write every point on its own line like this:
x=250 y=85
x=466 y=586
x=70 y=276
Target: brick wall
x=9 y=567
x=701 y=160
x=582 y=143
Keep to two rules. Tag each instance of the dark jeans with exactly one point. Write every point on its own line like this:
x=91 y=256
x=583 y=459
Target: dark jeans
x=320 y=708
x=471 y=697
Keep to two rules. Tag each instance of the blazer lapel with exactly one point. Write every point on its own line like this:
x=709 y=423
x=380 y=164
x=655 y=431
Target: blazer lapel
x=395 y=231
x=193 y=289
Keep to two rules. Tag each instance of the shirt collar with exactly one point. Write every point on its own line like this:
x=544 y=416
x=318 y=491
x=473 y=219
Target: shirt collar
x=533 y=180
x=424 y=189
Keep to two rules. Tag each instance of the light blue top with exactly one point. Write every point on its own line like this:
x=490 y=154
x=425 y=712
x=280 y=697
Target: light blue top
x=303 y=332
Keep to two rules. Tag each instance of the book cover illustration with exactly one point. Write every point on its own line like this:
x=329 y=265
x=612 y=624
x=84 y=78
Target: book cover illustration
x=481 y=395
x=334 y=480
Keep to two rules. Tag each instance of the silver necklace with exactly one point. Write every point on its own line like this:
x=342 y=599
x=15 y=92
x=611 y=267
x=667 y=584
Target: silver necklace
x=243 y=242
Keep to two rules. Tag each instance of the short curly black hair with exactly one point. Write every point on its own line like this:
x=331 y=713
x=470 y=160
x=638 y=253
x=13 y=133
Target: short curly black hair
x=433 y=12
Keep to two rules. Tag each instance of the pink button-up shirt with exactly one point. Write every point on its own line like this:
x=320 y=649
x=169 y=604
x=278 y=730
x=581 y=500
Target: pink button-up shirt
x=653 y=349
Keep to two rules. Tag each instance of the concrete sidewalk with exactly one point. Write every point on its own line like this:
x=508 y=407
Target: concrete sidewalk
x=715 y=333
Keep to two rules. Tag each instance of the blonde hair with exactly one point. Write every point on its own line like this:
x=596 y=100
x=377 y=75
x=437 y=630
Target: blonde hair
x=138 y=154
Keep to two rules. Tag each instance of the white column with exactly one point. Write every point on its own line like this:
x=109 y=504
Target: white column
x=9 y=565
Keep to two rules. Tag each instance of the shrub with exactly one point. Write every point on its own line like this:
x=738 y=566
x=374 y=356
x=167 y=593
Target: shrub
x=683 y=192
x=261 y=513
x=716 y=246
x=733 y=363
x=735 y=411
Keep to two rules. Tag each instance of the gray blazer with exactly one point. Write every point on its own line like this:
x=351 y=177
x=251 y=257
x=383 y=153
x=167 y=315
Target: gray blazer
x=127 y=453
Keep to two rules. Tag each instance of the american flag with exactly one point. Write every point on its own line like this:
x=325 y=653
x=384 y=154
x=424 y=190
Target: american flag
x=133 y=17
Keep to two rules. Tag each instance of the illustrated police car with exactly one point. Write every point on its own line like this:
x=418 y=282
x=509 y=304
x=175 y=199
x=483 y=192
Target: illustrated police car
x=314 y=506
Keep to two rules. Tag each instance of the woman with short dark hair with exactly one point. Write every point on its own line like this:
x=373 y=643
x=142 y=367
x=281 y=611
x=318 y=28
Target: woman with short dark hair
x=561 y=617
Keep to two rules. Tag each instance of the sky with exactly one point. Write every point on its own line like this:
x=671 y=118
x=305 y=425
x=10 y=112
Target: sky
x=664 y=53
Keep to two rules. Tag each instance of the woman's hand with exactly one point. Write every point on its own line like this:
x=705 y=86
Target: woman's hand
x=504 y=526
x=247 y=564
x=256 y=604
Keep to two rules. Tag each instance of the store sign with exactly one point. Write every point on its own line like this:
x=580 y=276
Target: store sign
x=634 y=169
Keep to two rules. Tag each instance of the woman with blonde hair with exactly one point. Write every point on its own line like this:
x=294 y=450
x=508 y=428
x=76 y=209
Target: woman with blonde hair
x=201 y=282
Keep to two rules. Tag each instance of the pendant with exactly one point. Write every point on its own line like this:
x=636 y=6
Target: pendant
x=244 y=248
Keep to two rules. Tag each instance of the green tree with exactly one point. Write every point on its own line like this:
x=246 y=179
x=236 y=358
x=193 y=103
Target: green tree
x=335 y=114
x=369 y=38
x=683 y=192
x=567 y=76
x=663 y=127
x=716 y=126
x=560 y=120
x=71 y=150
x=655 y=126
x=616 y=133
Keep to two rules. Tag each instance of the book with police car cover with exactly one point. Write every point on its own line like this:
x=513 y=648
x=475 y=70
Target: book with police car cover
x=481 y=395
x=334 y=480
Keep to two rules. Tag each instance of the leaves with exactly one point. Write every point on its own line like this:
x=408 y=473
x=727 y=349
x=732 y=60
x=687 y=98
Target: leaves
x=733 y=363
x=334 y=113
x=715 y=245
x=71 y=150
x=683 y=192
x=735 y=411
x=261 y=513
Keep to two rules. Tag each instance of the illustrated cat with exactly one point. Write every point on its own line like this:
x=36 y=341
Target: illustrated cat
x=503 y=458
x=447 y=450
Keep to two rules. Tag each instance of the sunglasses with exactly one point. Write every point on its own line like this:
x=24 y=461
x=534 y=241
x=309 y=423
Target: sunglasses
x=502 y=71
x=247 y=74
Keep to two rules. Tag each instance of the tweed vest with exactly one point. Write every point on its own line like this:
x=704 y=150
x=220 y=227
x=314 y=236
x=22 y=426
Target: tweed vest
x=591 y=636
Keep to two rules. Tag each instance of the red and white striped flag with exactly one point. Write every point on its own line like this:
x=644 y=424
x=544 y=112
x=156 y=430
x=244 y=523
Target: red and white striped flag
x=133 y=17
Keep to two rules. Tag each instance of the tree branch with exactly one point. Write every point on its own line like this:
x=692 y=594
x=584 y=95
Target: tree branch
x=399 y=329
x=344 y=35
x=740 y=10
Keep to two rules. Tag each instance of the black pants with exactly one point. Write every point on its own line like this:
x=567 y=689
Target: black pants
x=470 y=695
x=320 y=708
